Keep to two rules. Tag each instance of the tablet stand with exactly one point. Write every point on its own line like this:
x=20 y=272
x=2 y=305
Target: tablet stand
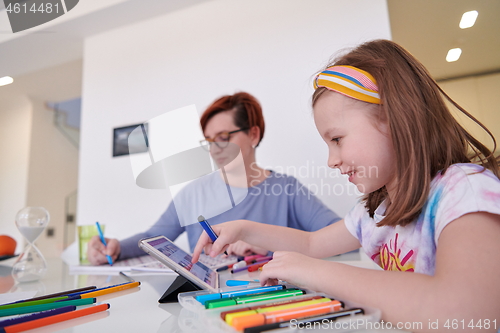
x=180 y=285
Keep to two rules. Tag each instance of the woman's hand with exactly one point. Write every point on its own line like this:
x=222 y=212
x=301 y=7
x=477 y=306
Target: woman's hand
x=228 y=233
x=240 y=248
x=96 y=251
x=292 y=267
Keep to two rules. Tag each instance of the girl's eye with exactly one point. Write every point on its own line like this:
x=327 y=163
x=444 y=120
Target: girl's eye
x=336 y=140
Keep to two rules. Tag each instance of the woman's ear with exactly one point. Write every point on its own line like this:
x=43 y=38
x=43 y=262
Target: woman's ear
x=254 y=134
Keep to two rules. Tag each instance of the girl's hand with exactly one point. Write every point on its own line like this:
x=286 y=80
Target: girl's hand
x=228 y=233
x=240 y=248
x=292 y=267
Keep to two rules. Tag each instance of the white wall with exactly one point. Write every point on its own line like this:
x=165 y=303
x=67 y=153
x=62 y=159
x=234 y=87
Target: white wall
x=38 y=165
x=53 y=174
x=270 y=49
x=14 y=152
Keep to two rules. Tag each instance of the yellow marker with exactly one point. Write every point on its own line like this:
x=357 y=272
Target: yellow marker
x=110 y=290
x=230 y=316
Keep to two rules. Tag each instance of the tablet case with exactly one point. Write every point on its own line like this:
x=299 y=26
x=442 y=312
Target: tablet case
x=180 y=285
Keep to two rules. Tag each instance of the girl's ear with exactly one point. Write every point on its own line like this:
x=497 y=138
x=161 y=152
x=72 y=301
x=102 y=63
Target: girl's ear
x=254 y=134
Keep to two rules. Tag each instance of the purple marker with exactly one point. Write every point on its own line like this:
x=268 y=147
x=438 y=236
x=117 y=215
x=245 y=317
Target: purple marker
x=36 y=315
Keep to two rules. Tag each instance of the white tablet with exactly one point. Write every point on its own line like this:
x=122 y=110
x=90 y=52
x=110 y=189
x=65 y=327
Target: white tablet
x=166 y=252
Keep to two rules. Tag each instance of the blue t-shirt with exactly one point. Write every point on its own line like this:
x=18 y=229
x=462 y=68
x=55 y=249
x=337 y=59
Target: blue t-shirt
x=279 y=200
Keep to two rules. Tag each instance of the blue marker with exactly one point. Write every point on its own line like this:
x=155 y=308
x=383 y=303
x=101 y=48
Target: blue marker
x=232 y=283
x=235 y=293
x=208 y=229
x=101 y=235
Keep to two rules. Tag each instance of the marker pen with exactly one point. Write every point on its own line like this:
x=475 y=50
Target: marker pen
x=36 y=315
x=241 y=263
x=257 y=266
x=208 y=297
x=233 y=283
x=262 y=306
x=62 y=293
x=244 y=267
x=208 y=229
x=253 y=298
x=241 y=323
x=253 y=261
x=44 y=307
x=254 y=257
x=223 y=268
x=316 y=319
x=230 y=317
x=42 y=301
x=92 y=290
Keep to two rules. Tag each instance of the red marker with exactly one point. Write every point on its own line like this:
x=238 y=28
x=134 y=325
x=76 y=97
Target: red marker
x=255 y=267
x=253 y=257
x=245 y=267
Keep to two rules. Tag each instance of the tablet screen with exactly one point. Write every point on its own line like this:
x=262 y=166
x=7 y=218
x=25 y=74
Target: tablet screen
x=183 y=259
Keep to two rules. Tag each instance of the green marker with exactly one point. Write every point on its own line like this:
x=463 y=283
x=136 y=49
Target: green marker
x=253 y=298
x=28 y=303
x=47 y=306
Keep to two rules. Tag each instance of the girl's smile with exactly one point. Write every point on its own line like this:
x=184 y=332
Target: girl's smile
x=359 y=145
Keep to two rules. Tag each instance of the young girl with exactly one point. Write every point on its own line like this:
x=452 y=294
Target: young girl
x=430 y=216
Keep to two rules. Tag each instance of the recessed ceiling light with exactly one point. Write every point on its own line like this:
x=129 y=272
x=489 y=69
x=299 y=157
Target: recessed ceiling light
x=453 y=54
x=468 y=19
x=6 y=80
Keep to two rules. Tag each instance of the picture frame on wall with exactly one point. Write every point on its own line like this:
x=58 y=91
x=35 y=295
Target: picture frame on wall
x=122 y=139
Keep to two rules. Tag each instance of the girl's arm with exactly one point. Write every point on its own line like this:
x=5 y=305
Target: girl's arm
x=465 y=285
x=331 y=240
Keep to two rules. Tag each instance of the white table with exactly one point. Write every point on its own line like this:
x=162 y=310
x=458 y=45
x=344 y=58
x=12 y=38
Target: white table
x=134 y=310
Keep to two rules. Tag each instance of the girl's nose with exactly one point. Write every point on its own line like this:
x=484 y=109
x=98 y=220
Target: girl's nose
x=334 y=160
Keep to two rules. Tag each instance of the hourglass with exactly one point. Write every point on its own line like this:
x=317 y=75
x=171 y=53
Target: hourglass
x=31 y=265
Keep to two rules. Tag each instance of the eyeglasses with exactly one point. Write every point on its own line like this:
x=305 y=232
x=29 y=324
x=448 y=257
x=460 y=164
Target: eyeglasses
x=221 y=140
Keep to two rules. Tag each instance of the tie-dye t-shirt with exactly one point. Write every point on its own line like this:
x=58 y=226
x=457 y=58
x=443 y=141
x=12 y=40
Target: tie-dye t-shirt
x=462 y=189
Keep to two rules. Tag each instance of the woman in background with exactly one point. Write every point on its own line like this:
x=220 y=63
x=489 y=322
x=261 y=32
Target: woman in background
x=234 y=119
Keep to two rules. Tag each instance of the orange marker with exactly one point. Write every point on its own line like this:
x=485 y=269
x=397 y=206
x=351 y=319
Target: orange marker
x=268 y=305
x=230 y=317
x=240 y=323
x=110 y=290
x=55 y=319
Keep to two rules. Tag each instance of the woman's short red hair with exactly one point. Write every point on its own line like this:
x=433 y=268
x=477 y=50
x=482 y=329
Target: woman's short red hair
x=248 y=112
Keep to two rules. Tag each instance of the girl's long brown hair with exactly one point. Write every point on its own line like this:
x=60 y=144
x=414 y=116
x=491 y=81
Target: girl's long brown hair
x=425 y=135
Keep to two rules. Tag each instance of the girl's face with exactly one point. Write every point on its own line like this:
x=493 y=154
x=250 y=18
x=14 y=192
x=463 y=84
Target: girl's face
x=357 y=145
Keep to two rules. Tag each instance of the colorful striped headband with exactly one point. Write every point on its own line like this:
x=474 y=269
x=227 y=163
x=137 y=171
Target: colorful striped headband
x=349 y=81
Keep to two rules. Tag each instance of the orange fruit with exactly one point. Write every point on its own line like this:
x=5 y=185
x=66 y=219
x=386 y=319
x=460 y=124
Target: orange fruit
x=7 y=245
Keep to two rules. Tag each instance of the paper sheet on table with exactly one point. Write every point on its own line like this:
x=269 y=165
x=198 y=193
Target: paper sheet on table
x=13 y=297
x=120 y=266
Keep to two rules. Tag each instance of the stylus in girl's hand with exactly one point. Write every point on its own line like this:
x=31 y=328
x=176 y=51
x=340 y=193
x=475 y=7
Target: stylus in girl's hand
x=208 y=229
